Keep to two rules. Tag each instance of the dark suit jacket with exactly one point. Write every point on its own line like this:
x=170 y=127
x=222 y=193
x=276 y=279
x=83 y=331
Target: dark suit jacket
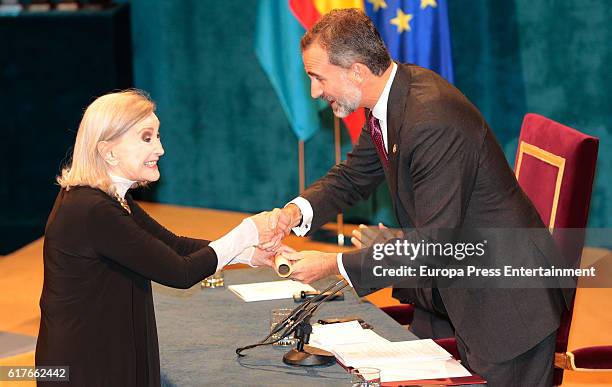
x=97 y=313
x=446 y=170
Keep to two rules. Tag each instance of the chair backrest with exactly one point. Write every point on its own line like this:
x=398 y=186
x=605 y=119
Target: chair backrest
x=555 y=167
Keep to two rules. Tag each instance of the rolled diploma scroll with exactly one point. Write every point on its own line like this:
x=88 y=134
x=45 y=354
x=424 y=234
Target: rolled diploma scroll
x=282 y=266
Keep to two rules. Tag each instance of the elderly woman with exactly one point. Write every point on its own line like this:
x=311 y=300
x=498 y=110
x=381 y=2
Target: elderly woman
x=102 y=250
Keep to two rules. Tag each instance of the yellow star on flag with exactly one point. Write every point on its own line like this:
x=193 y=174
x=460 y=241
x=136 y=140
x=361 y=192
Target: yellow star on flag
x=377 y=4
x=430 y=3
x=402 y=21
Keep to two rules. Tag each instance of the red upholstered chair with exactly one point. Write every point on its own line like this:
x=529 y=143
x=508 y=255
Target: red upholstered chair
x=555 y=167
x=402 y=313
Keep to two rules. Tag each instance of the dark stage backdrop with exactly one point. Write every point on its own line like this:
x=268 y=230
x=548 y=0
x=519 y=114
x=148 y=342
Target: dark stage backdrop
x=52 y=64
x=229 y=145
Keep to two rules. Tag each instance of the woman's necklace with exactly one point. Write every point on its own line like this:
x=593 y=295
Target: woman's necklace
x=123 y=203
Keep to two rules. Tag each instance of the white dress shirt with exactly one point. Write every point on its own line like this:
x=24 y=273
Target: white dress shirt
x=380 y=112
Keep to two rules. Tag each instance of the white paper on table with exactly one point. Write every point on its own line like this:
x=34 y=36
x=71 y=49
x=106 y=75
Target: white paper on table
x=435 y=369
x=379 y=352
x=274 y=290
x=327 y=336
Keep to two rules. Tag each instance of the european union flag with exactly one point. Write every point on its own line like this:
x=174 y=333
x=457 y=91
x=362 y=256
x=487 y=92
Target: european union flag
x=415 y=31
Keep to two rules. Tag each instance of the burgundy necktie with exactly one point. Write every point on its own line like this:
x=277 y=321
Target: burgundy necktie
x=377 y=139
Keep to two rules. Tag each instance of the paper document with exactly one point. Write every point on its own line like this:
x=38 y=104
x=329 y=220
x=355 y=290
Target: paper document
x=274 y=290
x=329 y=335
x=401 y=361
x=365 y=354
x=436 y=369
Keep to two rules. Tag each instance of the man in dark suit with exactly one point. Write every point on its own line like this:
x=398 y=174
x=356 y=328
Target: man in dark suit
x=445 y=170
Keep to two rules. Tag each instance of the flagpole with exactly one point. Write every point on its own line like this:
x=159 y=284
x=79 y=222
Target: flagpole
x=301 y=173
x=337 y=145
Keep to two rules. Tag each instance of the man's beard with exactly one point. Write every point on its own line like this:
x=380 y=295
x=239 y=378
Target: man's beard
x=348 y=102
x=344 y=106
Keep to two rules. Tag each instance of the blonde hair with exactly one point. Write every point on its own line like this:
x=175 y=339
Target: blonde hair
x=106 y=118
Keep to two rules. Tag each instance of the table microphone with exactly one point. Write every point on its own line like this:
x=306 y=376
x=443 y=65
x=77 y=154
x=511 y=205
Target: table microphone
x=303 y=354
x=298 y=315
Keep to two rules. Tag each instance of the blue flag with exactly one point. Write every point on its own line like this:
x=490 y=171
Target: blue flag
x=415 y=31
x=277 y=46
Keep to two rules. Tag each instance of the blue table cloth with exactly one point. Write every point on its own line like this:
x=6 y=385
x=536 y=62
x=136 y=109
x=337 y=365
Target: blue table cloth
x=200 y=329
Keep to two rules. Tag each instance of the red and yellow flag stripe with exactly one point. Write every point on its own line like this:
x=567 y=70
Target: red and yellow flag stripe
x=307 y=12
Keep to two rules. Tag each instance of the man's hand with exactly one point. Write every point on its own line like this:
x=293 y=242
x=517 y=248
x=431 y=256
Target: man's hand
x=309 y=266
x=282 y=220
x=366 y=236
x=273 y=226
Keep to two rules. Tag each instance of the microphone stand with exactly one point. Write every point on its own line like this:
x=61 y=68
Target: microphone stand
x=289 y=324
x=303 y=354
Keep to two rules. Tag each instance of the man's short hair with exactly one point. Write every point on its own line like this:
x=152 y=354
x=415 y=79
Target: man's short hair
x=349 y=36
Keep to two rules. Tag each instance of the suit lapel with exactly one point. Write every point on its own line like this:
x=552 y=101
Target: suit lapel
x=396 y=107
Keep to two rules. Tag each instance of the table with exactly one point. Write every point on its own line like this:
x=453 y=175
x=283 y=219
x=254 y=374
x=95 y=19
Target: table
x=200 y=329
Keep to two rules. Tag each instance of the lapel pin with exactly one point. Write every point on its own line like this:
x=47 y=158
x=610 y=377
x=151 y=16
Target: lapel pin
x=394 y=148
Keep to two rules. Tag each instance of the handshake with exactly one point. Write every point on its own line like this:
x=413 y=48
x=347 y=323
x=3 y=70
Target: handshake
x=306 y=266
x=272 y=227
